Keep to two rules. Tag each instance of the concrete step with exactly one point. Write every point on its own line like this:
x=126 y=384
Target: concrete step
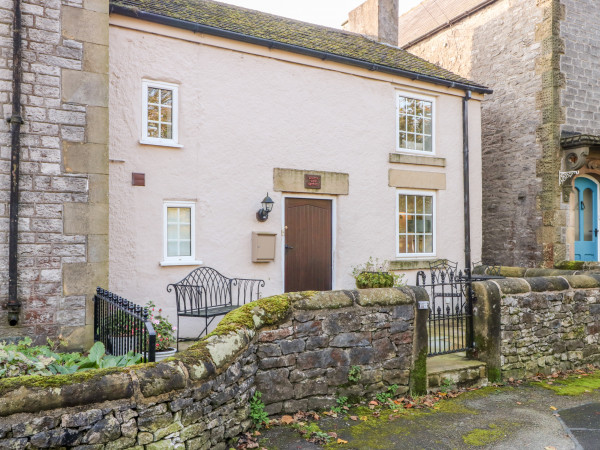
x=454 y=370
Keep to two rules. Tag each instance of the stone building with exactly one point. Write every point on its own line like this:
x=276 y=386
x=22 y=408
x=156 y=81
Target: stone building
x=63 y=206
x=540 y=124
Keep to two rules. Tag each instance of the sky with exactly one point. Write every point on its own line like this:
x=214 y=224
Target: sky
x=331 y=13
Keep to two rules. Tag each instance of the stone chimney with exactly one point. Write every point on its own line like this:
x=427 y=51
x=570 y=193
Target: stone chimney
x=377 y=19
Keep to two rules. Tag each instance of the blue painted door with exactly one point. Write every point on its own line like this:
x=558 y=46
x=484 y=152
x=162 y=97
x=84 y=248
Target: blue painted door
x=586 y=222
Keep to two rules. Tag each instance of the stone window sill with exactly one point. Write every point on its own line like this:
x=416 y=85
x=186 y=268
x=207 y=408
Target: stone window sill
x=401 y=158
x=160 y=144
x=416 y=264
x=180 y=263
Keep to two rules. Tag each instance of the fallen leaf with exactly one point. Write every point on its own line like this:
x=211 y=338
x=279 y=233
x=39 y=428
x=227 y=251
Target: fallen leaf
x=286 y=420
x=257 y=433
x=376 y=414
x=341 y=441
x=374 y=402
x=511 y=379
x=550 y=448
x=519 y=403
x=353 y=418
x=364 y=418
x=316 y=416
x=333 y=434
x=553 y=408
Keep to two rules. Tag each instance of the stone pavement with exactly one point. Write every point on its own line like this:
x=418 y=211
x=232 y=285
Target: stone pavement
x=507 y=417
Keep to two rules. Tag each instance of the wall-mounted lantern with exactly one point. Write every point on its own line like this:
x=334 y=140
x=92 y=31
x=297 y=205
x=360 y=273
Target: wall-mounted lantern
x=267 y=207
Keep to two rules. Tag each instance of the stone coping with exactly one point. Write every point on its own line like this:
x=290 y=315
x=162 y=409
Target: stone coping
x=199 y=363
x=525 y=285
x=524 y=272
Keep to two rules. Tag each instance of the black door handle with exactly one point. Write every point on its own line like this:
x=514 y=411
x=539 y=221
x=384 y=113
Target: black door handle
x=596 y=232
x=288 y=247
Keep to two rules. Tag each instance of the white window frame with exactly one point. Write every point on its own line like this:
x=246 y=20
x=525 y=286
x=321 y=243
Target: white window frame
x=432 y=194
x=180 y=260
x=416 y=96
x=148 y=140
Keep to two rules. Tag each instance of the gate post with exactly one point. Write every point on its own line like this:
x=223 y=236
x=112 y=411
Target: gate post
x=418 y=378
x=486 y=328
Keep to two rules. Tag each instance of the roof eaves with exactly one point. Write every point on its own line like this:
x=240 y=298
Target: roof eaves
x=201 y=28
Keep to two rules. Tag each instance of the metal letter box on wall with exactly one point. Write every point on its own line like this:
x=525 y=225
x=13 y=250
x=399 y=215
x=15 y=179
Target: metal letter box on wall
x=263 y=246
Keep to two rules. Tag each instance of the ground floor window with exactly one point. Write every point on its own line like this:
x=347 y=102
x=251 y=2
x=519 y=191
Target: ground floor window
x=179 y=231
x=415 y=234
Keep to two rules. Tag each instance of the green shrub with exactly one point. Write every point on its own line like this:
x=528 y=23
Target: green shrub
x=354 y=374
x=257 y=411
x=376 y=274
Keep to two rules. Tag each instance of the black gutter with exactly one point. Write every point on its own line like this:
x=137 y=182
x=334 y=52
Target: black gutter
x=14 y=305
x=467 y=199
x=200 y=28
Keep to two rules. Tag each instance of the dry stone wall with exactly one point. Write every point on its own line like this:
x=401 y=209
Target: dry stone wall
x=63 y=220
x=297 y=349
x=525 y=326
x=305 y=363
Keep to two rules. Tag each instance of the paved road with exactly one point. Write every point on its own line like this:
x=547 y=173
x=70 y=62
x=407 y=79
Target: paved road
x=583 y=424
x=524 y=417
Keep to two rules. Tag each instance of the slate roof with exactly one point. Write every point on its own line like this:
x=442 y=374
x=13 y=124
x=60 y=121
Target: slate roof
x=240 y=23
x=432 y=14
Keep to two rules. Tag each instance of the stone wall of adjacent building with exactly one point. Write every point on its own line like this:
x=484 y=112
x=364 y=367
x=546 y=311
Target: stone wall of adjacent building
x=63 y=216
x=297 y=349
x=514 y=48
x=525 y=326
x=579 y=64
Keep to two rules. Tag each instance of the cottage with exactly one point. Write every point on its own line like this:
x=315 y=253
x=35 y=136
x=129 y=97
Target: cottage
x=359 y=144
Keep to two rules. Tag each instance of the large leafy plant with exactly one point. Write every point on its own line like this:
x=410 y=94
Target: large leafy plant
x=25 y=359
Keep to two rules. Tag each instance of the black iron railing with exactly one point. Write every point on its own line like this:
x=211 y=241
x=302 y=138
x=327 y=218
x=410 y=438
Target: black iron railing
x=123 y=326
x=450 y=310
x=206 y=293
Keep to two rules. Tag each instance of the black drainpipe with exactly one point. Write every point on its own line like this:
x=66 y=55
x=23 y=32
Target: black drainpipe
x=14 y=305
x=467 y=200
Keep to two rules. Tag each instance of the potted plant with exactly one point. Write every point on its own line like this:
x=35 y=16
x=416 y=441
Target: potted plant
x=376 y=274
x=165 y=332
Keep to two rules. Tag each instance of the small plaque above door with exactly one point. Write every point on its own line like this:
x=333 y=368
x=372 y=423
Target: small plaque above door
x=312 y=181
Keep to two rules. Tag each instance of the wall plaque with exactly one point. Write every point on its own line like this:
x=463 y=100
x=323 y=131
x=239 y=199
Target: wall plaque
x=312 y=181
x=138 y=179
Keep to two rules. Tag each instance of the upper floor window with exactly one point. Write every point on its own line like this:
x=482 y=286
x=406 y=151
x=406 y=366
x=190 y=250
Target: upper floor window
x=159 y=112
x=415 y=123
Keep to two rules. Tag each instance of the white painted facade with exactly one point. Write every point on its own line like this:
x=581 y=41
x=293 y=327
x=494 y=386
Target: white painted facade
x=243 y=111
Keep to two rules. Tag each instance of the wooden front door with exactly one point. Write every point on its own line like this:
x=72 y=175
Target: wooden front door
x=307 y=244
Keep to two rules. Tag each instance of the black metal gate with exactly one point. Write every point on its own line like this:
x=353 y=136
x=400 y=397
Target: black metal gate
x=450 y=324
